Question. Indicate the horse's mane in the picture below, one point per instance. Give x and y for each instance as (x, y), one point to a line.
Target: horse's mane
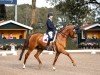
(67, 26)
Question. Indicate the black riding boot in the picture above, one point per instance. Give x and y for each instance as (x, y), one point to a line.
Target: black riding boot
(47, 46)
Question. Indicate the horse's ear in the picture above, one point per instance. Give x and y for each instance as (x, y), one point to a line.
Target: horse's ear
(76, 27)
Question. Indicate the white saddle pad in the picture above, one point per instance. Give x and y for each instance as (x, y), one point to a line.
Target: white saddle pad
(45, 37)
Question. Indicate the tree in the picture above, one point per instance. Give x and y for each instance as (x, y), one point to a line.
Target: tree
(33, 18)
(10, 12)
(97, 11)
(24, 14)
(74, 10)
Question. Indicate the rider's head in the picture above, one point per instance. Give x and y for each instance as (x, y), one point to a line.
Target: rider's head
(50, 15)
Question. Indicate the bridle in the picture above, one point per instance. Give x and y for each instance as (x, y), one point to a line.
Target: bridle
(60, 32)
(63, 34)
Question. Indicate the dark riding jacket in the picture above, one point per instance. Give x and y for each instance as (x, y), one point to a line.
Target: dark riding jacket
(50, 26)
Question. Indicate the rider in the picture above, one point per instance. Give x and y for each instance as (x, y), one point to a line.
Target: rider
(50, 28)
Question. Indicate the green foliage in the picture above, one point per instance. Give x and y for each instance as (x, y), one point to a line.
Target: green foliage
(42, 14)
(98, 16)
(10, 13)
(73, 10)
(71, 44)
(24, 14)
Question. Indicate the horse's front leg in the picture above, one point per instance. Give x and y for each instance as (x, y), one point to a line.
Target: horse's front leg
(66, 53)
(56, 57)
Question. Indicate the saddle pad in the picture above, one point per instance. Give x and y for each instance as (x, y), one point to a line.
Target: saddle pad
(45, 38)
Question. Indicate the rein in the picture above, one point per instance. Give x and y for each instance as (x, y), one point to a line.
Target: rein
(60, 32)
(63, 34)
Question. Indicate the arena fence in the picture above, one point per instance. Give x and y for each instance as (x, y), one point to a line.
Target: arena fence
(11, 52)
(92, 51)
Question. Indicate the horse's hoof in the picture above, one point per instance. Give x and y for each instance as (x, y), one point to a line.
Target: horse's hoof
(74, 64)
(24, 66)
(54, 68)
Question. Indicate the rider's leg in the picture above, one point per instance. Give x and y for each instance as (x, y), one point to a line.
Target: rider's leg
(50, 38)
(48, 43)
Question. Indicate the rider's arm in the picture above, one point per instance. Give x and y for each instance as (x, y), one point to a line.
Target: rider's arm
(50, 25)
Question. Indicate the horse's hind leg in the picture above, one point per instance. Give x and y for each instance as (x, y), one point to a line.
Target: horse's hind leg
(56, 57)
(26, 56)
(39, 51)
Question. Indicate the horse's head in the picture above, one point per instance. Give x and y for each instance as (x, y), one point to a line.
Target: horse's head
(69, 31)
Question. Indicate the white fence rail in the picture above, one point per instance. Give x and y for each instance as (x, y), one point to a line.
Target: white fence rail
(11, 52)
(92, 51)
(5, 53)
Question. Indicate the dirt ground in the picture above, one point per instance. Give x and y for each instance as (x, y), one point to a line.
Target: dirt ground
(87, 64)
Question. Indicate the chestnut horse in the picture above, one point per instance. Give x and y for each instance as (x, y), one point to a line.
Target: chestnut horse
(35, 42)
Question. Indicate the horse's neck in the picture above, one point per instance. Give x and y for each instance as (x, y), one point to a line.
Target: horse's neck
(61, 39)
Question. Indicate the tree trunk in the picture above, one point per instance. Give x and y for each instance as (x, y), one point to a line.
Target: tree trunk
(34, 19)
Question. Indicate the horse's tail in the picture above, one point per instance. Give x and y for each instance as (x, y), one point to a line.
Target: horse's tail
(26, 43)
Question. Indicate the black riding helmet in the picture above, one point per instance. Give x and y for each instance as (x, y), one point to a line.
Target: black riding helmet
(50, 14)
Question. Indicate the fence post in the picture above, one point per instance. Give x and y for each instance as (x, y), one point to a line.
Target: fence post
(4, 54)
(13, 49)
(93, 52)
